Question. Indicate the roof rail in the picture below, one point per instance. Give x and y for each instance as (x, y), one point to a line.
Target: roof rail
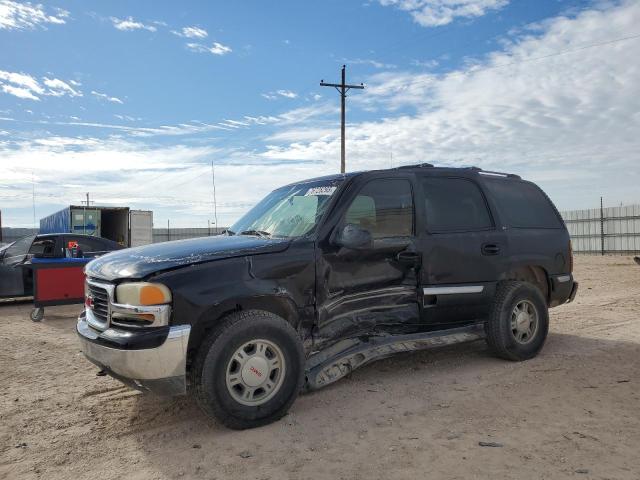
(418, 165)
(494, 174)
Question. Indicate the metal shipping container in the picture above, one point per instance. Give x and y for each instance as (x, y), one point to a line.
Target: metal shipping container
(120, 224)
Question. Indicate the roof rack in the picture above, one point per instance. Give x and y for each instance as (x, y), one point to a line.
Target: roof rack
(418, 165)
(494, 174)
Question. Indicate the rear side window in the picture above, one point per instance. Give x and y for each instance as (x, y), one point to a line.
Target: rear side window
(87, 245)
(454, 204)
(523, 204)
(383, 207)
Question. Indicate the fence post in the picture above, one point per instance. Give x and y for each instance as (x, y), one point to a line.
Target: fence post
(601, 228)
(168, 232)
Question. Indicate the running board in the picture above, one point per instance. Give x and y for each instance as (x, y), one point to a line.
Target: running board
(375, 348)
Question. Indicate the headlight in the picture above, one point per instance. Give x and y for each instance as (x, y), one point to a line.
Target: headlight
(142, 293)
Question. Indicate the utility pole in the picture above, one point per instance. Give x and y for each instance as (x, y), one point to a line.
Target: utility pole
(342, 89)
(215, 206)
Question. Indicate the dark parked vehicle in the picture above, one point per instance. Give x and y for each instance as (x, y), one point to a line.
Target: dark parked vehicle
(16, 281)
(325, 275)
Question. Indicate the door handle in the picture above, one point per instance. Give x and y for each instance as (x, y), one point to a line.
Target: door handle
(408, 258)
(490, 249)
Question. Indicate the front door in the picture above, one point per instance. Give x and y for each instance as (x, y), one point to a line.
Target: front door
(463, 250)
(373, 289)
(12, 275)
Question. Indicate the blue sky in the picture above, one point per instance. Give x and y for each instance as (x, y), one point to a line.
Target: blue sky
(132, 101)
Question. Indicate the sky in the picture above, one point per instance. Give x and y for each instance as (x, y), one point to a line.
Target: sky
(133, 101)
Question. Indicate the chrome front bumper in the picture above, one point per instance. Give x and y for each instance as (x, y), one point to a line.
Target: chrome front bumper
(160, 370)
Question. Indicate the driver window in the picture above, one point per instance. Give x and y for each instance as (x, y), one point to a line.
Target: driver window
(383, 207)
(44, 247)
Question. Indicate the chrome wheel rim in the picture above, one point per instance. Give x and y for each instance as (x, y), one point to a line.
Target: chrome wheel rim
(255, 372)
(524, 321)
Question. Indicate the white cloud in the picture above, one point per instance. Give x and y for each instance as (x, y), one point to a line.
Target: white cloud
(287, 93)
(559, 104)
(19, 92)
(104, 96)
(215, 49)
(368, 61)
(26, 86)
(428, 64)
(58, 88)
(19, 16)
(129, 24)
(22, 80)
(279, 93)
(191, 32)
(433, 13)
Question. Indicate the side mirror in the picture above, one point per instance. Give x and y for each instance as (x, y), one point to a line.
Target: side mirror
(354, 237)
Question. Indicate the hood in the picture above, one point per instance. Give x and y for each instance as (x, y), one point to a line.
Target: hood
(142, 261)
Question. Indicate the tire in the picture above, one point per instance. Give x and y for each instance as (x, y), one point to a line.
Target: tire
(37, 314)
(510, 313)
(218, 377)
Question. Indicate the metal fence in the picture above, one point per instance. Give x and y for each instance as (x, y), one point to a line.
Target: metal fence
(159, 234)
(611, 230)
(168, 234)
(12, 234)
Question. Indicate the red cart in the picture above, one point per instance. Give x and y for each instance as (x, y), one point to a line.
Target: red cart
(56, 281)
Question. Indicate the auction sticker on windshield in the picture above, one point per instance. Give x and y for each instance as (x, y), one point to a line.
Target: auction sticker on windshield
(319, 191)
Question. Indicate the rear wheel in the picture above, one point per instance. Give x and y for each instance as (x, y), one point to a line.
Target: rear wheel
(249, 370)
(519, 321)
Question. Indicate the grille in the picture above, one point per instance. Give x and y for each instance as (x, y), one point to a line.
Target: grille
(100, 302)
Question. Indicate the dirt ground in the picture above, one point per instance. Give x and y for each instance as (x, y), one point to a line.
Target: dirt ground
(572, 412)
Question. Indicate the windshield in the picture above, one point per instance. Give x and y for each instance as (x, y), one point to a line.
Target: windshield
(290, 211)
(19, 247)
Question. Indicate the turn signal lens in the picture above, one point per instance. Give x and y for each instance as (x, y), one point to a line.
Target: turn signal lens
(142, 293)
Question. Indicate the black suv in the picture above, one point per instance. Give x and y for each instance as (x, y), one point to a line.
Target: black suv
(325, 275)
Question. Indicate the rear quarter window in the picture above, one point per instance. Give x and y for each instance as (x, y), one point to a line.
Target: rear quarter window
(522, 204)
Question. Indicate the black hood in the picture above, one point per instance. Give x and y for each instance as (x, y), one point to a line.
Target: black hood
(142, 261)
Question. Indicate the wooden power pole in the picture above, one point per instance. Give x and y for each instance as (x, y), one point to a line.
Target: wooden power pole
(342, 89)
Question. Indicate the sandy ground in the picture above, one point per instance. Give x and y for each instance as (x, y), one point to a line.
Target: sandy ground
(573, 412)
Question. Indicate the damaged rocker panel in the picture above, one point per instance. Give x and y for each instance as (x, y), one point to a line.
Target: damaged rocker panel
(369, 349)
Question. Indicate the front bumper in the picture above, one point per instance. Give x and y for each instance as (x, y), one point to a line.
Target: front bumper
(140, 360)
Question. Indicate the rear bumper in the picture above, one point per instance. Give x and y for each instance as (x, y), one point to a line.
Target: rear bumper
(160, 369)
(574, 291)
(563, 289)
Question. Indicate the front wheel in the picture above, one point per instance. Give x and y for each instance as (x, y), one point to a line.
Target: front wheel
(518, 323)
(249, 370)
(37, 314)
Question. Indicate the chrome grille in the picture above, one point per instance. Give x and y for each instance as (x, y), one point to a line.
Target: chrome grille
(100, 302)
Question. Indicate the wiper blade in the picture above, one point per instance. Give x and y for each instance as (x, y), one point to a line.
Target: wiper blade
(259, 233)
(229, 232)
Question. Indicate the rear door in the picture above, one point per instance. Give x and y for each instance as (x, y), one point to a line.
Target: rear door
(463, 250)
(360, 292)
